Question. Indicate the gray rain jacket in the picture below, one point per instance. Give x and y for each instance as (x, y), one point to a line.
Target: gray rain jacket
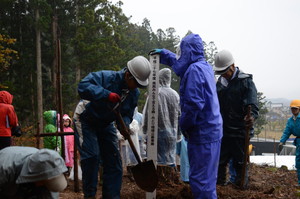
(18, 174)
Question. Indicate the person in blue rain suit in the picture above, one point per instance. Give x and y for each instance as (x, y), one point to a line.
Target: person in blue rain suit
(94, 118)
(236, 91)
(200, 119)
(293, 128)
(168, 114)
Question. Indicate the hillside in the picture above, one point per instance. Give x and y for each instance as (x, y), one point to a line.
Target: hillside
(264, 183)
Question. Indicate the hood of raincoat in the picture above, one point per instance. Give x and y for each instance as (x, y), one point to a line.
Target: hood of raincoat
(50, 117)
(165, 77)
(42, 165)
(192, 51)
(6, 97)
(67, 117)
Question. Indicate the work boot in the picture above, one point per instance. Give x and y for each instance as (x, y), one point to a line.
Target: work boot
(221, 180)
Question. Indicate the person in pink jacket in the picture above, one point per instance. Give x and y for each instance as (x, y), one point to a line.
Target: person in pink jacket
(8, 119)
(69, 142)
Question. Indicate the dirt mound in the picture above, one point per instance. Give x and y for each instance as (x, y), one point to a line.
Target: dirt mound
(264, 183)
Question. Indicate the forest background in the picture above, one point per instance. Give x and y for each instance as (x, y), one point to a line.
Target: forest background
(91, 35)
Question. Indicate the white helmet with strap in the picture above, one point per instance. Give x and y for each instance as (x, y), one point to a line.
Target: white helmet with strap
(140, 68)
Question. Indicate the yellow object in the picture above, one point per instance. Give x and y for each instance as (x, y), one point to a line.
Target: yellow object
(295, 103)
(250, 149)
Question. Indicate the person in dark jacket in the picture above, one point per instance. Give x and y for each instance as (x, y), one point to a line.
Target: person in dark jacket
(236, 90)
(8, 119)
(95, 133)
(200, 119)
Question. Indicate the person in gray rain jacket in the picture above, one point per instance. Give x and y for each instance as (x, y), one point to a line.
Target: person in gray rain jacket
(200, 119)
(95, 133)
(30, 173)
(168, 115)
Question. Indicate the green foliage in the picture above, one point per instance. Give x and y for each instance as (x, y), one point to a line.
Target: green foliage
(210, 51)
(261, 121)
(94, 35)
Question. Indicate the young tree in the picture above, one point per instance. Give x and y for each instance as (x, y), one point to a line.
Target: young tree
(261, 121)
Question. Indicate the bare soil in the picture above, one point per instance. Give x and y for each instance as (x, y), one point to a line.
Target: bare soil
(264, 183)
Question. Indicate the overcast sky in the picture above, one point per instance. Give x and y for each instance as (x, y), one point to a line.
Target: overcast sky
(263, 35)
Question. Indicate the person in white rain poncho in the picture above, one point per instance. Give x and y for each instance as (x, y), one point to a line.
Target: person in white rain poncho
(168, 114)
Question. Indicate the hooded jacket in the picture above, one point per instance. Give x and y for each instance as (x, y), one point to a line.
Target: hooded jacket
(96, 87)
(20, 167)
(168, 105)
(234, 99)
(8, 117)
(168, 115)
(200, 113)
(69, 143)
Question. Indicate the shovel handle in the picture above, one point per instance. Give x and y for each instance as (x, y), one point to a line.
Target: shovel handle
(127, 136)
(246, 149)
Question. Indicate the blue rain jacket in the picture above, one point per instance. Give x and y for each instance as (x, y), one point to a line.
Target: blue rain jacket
(293, 128)
(95, 132)
(200, 112)
(96, 87)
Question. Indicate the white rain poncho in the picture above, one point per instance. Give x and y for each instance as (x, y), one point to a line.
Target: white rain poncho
(20, 167)
(168, 115)
(126, 152)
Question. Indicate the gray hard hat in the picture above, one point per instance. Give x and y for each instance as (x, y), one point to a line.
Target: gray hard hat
(223, 60)
(45, 164)
(140, 68)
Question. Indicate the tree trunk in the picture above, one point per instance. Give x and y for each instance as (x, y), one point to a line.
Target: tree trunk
(54, 62)
(39, 73)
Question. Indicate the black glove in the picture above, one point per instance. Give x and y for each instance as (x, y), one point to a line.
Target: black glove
(280, 146)
(16, 131)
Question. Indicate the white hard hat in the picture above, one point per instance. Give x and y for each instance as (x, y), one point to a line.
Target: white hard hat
(223, 60)
(140, 68)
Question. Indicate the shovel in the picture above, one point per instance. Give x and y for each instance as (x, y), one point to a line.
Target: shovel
(246, 153)
(144, 173)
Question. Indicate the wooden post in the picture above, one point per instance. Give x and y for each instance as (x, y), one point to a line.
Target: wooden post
(76, 182)
(59, 97)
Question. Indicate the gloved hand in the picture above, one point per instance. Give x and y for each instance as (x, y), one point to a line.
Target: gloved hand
(280, 146)
(125, 133)
(114, 97)
(155, 51)
(249, 121)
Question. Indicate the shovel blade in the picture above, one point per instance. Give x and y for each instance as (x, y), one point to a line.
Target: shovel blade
(145, 175)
